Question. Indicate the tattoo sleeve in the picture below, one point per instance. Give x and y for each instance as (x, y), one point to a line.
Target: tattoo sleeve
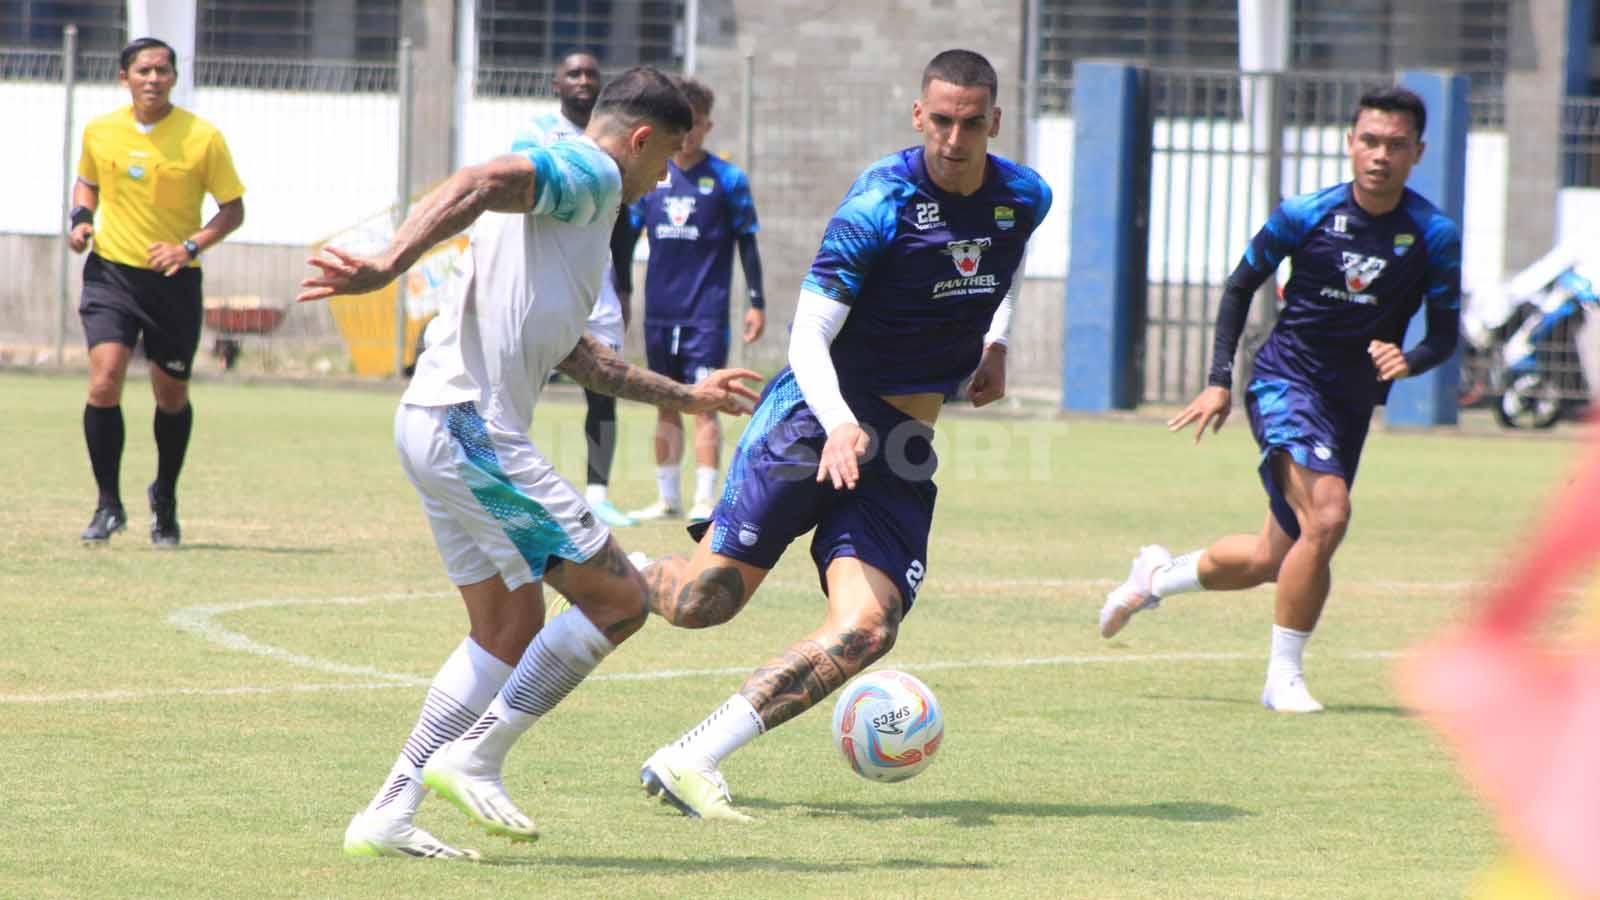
(594, 366)
(711, 598)
(505, 184)
(809, 671)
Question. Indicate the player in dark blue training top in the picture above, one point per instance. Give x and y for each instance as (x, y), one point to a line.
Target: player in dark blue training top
(1366, 256)
(693, 224)
(905, 300)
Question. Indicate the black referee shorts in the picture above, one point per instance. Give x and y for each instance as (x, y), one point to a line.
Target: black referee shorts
(119, 302)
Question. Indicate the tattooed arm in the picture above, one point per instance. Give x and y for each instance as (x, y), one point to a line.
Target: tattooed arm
(504, 184)
(594, 366)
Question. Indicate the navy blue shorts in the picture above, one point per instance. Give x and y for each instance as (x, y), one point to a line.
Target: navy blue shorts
(1312, 429)
(771, 495)
(685, 353)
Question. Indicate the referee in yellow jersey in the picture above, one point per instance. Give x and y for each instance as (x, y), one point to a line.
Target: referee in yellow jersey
(144, 172)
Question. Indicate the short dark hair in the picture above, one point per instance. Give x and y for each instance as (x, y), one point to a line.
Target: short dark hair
(699, 96)
(645, 94)
(1393, 99)
(962, 68)
(135, 47)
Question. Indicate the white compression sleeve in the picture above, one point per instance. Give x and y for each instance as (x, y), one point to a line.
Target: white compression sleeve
(1000, 325)
(817, 321)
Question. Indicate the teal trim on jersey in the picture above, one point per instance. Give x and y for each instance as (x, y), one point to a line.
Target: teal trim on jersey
(574, 181)
(531, 528)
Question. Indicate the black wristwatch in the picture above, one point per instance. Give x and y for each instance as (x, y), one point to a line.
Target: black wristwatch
(191, 248)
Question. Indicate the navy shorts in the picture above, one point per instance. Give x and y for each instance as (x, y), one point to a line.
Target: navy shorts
(771, 495)
(120, 302)
(685, 353)
(1311, 428)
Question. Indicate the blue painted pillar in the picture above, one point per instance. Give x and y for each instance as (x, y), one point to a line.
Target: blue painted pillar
(1441, 176)
(1106, 279)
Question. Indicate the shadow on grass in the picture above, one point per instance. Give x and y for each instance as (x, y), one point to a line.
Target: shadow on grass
(1356, 709)
(673, 865)
(975, 813)
(244, 548)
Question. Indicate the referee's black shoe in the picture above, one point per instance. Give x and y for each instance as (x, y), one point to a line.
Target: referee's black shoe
(108, 520)
(163, 518)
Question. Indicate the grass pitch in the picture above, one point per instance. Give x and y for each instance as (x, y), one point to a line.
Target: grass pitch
(203, 722)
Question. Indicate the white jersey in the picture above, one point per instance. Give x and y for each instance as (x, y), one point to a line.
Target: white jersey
(542, 131)
(527, 285)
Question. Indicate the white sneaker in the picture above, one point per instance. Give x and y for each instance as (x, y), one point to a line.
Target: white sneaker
(1133, 595)
(479, 793)
(1288, 694)
(639, 560)
(657, 510)
(696, 792)
(701, 511)
(370, 835)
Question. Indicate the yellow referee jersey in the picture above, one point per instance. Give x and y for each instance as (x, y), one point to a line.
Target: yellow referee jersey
(152, 183)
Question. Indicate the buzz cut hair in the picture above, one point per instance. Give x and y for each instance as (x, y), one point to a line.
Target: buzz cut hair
(1394, 99)
(962, 68)
(701, 97)
(645, 94)
(139, 45)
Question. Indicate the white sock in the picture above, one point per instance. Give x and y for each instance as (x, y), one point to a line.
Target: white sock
(667, 484)
(705, 483)
(731, 726)
(1288, 645)
(1180, 576)
(596, 494)
(562, 654)
(460, 692)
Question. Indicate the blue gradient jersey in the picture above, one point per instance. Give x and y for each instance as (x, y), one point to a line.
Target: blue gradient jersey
(922, 271)
(1356, 278)
(693, 224)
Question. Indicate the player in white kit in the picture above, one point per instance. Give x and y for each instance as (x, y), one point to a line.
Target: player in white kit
(577, 84)
(504, 521)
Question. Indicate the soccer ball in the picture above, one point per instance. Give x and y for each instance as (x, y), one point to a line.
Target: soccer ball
(888, 725)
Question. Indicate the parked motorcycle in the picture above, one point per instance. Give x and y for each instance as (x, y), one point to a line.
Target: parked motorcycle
(1520, 351)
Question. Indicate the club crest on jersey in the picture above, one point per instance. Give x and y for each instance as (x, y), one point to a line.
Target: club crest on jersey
(1360, 271)
(967, 254)
(1403, 242)
(679, 209)
(706, 184)
(1005, 218)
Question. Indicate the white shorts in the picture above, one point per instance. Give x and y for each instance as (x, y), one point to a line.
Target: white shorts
(495, 505)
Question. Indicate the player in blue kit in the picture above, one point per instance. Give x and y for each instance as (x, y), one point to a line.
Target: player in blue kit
(905, 299)
(693, 224)
(1366, 255)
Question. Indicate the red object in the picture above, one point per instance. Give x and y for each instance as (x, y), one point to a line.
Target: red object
(246, 320)
(1524, 718)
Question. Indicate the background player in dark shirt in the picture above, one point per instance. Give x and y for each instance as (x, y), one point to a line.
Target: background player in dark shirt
(693, 224)
(1366, 255)
(905, 299)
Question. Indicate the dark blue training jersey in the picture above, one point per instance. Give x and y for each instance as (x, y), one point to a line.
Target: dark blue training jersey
(1356, 278)
(693, 224)
(922, 270)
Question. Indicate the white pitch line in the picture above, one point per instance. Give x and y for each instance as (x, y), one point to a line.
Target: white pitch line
(200, 621)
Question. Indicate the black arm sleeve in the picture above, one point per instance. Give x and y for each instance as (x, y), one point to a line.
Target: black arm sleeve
(750, 261)
(1236, 295)
(1444, 327)
(623, 237)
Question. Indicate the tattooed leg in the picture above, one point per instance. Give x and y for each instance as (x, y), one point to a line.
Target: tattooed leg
(607, 589)
(691, 596)
(864, 612)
